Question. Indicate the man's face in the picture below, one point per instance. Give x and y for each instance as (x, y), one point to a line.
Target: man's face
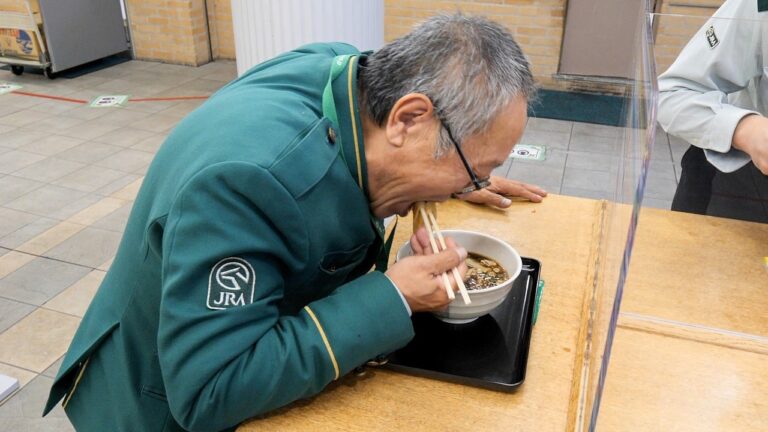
(436, 179)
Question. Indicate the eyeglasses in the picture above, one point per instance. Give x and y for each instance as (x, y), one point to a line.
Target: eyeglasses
(477, 183)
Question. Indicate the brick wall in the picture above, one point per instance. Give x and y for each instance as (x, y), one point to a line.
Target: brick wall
(222, 35)
(172, 31)
(536, 24)
(677, 23)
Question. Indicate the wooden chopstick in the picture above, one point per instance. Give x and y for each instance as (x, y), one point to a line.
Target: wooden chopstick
(456, 274)
(435, 250)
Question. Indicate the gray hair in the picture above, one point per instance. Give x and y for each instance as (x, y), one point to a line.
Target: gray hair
(470, 67)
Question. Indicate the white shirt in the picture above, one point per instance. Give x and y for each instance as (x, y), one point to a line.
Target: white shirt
(718, 79)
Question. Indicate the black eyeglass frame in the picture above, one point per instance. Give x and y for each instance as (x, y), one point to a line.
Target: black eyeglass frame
(477, 183)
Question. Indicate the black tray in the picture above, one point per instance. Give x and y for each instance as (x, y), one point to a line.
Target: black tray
(490, 352)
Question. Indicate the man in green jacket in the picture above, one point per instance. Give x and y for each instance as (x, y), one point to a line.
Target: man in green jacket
(242, 282)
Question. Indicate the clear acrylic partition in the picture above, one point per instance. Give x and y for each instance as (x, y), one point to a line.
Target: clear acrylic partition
(606, 157)
(695, 292)
(629, 169)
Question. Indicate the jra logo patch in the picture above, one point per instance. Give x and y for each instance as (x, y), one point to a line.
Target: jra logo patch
(231, 283)
(712, 39)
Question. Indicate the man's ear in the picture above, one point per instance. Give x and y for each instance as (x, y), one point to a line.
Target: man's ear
(411, 113)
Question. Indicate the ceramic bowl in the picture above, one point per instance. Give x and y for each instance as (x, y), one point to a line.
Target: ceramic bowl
(483, 300)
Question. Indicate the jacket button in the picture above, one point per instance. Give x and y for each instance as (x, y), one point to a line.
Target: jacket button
(331, 135)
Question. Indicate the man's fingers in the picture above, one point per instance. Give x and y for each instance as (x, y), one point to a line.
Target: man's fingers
(447, 259)
(416, 246)
(486, 197)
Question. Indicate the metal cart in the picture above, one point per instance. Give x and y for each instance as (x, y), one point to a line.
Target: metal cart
(24, 21)
(75, 32)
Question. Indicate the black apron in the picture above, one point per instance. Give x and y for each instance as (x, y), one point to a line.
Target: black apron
(742, 194)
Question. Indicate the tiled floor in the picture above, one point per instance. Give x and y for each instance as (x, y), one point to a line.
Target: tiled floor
(69, 173)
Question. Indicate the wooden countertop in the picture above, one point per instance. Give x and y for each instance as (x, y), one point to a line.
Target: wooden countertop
(677, 339)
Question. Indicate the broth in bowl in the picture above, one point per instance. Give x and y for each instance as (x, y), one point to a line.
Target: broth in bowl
(483, 272)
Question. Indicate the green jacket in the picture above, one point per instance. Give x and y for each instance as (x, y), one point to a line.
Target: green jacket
(241, 282)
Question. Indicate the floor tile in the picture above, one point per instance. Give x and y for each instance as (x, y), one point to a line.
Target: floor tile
(11, 312)
(553, 158)
(503, 169)
(15, 160)
(597, 130)
(88, 152)
(201, 87)
(24, 376)
(549, 125)
(23, 117)
(657, 203)
(18, 137)
(53, 369)
(86, 113)
(592, 161)
(23, 412)
(40, 280)
(50, 238)
(660, 187)
(55, 107)
(22, 102)
(157, 123)
(546, 138)
(125, 136)
(90, 130)
(123, 117)
(24, 234)
(126, 160)
(54, 124)
(600, 181)
(104, 207)
(151, 144)
(119, 185)
(546, 177)
(12, 261)
(6, 109)
(48, 170)
(38, 340)
(12, 220)
(116, 220)
(51, 145)
(182, 109)
(151, 106)
(46, 200)
(76, 299)
(586, 193)
(76, 206)
(596, 144)
(90, 247)
(90, 178)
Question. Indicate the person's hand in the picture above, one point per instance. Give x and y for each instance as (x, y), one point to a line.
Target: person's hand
(498, 193)
(419, 277)
(751, 137)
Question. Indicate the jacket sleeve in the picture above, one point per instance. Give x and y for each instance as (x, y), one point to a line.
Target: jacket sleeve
(693, 92)
(234, 226)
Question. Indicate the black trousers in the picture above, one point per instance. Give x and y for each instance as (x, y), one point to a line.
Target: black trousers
(742, 194)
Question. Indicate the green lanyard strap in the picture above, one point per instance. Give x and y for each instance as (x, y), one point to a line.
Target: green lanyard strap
(382, 261)
(338, 65)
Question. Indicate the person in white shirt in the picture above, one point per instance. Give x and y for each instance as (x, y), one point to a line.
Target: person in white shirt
(715, 96)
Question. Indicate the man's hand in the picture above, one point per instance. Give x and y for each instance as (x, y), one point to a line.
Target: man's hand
(751, 137)
(498, 193)
(419, 277)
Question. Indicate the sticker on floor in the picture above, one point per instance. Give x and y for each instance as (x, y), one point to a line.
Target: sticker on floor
(8, 87)
(109, 101)
(529, 152)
